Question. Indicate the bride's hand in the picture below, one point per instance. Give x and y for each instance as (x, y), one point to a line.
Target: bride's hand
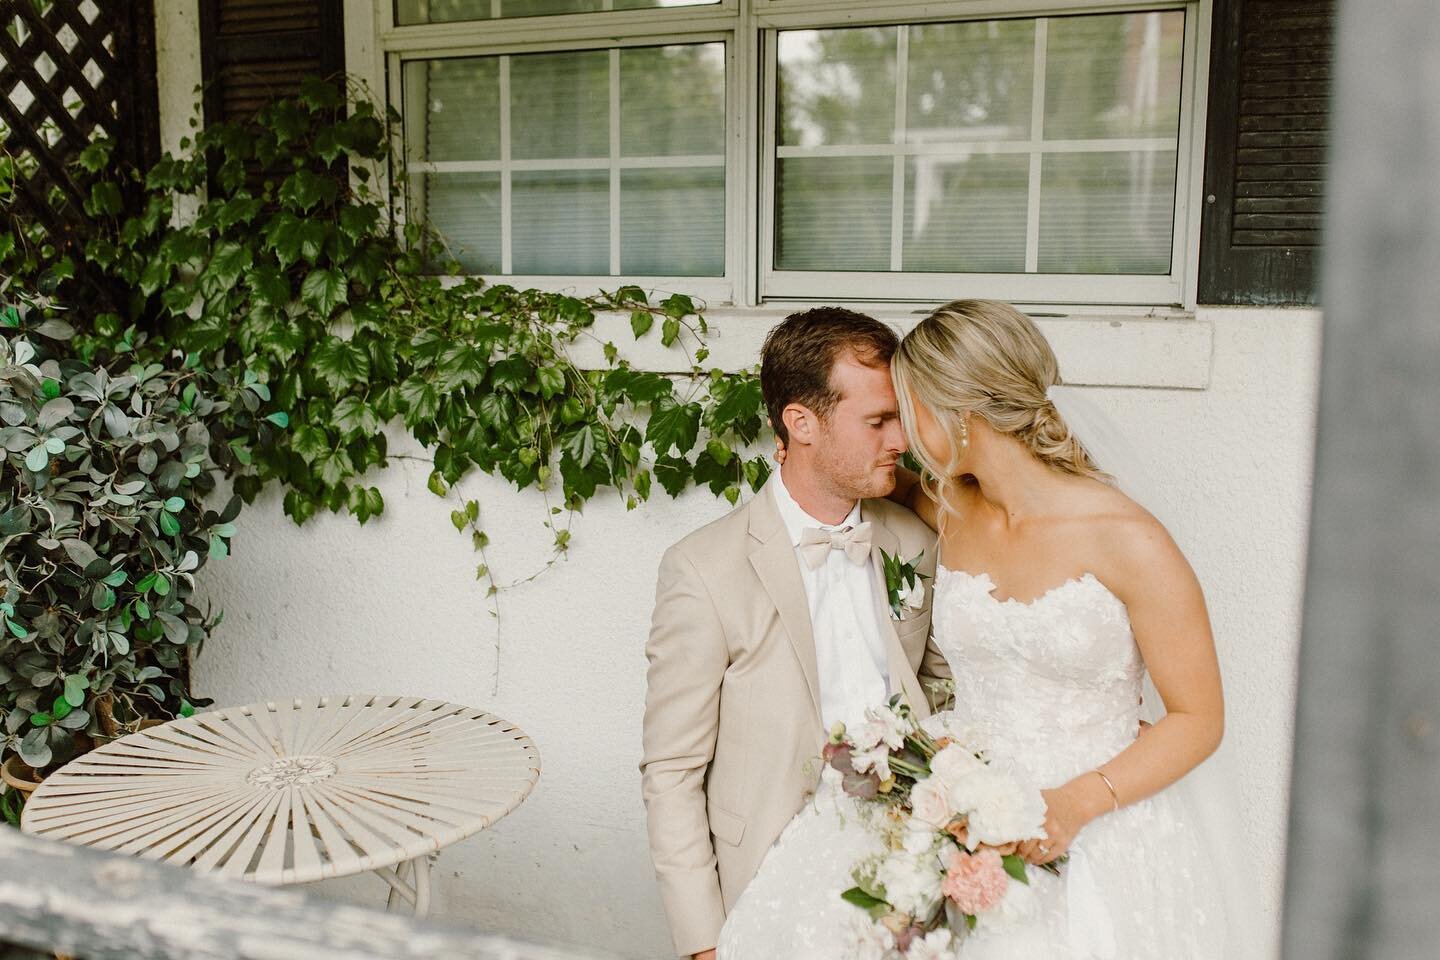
(1065, 816)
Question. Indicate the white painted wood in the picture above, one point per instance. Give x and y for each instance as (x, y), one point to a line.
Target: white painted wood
(81, 902)
(293, 792)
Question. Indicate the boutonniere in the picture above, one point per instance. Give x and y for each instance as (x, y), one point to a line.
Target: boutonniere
(904, 584)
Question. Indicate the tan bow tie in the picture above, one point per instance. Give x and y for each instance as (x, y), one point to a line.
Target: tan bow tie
(816, 544)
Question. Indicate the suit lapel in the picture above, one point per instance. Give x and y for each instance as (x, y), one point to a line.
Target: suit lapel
(902, 674)
(779, 571)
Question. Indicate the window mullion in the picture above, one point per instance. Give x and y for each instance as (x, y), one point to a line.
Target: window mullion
(1037, 135)
(897, 181)
(614, 162)
(506, 219)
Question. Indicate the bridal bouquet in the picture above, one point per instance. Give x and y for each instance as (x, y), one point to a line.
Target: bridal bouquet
(951, 820)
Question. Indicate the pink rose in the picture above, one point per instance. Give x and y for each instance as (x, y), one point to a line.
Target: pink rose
(975, 881)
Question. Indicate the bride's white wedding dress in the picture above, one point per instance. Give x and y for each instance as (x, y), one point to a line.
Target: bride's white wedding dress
(1052, 685)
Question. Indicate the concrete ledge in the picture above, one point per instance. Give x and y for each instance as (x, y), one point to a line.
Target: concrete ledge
(1170, 351)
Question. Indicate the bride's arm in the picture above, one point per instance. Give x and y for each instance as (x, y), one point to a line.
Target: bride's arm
(1172, 629)
(910, 492)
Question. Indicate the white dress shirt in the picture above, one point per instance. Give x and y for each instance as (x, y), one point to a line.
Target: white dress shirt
(850, 654)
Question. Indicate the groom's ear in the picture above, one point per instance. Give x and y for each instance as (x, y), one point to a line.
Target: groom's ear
(801, 423)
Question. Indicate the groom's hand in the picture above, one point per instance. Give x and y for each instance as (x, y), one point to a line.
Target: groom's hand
(704, 955)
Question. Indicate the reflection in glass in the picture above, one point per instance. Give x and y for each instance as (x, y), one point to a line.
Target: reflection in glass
(837, 86)
(461, 109)
(1107, 212)
(561, 222)
(833, 214)
(410, 12)
(1114, 76)
(560, 105)
(672, 100)
(464, 208)
(672, 222)
(966, 214)
(969, 81)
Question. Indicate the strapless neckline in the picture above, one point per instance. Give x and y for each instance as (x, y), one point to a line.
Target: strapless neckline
(984, 579)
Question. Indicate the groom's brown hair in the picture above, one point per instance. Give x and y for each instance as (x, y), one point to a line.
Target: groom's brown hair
(800, 352)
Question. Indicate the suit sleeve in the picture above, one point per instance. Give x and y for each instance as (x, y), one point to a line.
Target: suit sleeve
(934, 668)
(687, 658)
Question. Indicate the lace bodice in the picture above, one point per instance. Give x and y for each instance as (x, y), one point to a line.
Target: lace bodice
(1053, 684)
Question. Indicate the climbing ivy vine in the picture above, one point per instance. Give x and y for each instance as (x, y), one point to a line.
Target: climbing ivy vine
(287, 277)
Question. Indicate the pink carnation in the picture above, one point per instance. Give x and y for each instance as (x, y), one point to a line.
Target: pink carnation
(975, 881)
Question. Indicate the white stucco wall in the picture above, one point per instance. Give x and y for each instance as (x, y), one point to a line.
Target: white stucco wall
(393, 607)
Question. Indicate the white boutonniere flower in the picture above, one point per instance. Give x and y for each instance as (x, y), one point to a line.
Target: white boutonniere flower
(904, 584)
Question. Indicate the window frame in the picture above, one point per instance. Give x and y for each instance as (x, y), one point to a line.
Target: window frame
(749, 30)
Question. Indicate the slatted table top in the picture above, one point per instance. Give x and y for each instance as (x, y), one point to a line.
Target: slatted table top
(295, 791)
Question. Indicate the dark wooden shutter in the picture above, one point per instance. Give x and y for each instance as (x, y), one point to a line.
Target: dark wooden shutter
(1265, 151)
(254, 51)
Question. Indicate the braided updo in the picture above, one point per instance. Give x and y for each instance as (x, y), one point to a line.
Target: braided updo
(987, 358)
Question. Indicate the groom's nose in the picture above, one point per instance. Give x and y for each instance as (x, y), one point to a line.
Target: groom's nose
(895, 437)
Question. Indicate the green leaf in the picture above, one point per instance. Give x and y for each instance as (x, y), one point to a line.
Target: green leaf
(17, 631)
(325, 289)
(309, 442)
(552, 381)
(280, 418)
(75, 687)
(168, 524)
(673, 426)
(41, 719)
(353, 415)
(640, 322)
(162, 585)
(862, 899)
(60, 709)
(673, 474)
(37, 459)
(1015, 866)
(175, 504)
(334, 466)
(669, 331)
(340, 363)
(187, 709)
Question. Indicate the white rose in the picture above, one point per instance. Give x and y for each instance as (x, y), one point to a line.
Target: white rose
(998, 809)
(913, 596)
(911, 885)
(953, 763)
(938, 944)
(918, 838)
(930, 802)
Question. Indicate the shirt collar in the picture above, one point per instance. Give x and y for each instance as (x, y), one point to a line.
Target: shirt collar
(797, 521)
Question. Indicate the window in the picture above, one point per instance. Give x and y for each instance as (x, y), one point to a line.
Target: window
(751, 150)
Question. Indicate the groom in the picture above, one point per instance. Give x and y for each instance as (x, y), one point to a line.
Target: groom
(772, 623)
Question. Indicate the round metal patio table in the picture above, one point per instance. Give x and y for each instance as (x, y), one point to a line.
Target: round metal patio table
(296, 791)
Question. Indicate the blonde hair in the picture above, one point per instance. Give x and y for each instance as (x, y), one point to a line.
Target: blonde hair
(986, 358)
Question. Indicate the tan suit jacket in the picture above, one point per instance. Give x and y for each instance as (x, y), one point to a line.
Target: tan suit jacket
(732, 733)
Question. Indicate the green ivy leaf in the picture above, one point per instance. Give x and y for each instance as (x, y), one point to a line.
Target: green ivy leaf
(673, 474)
(640, 322)
(673, 426)
(324, 290)
(340, 363)
(353, 415)
(309, 442)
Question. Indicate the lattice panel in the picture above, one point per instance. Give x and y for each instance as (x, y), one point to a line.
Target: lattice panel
(72, 72)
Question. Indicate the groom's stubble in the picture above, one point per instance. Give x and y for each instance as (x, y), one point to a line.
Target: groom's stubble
(859, 440)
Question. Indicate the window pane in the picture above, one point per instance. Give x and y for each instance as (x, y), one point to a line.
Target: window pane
(465, 209)
(1107, 212)
(560, 105)
(409, 12)
(833, 214)
(459, 104)
(672, 222)
(672, 100)
(970, 81)
(562, 222)
(966, 214)
(837, 86)
(1114, 76)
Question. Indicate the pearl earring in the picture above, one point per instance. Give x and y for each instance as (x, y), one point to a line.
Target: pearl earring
(964, 432)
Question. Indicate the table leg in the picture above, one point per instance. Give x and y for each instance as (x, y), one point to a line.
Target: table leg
(410, 882)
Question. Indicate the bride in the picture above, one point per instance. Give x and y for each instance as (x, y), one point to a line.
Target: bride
(1056, 594)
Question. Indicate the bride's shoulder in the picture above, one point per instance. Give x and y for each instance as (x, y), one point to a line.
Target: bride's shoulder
(1134, 546)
